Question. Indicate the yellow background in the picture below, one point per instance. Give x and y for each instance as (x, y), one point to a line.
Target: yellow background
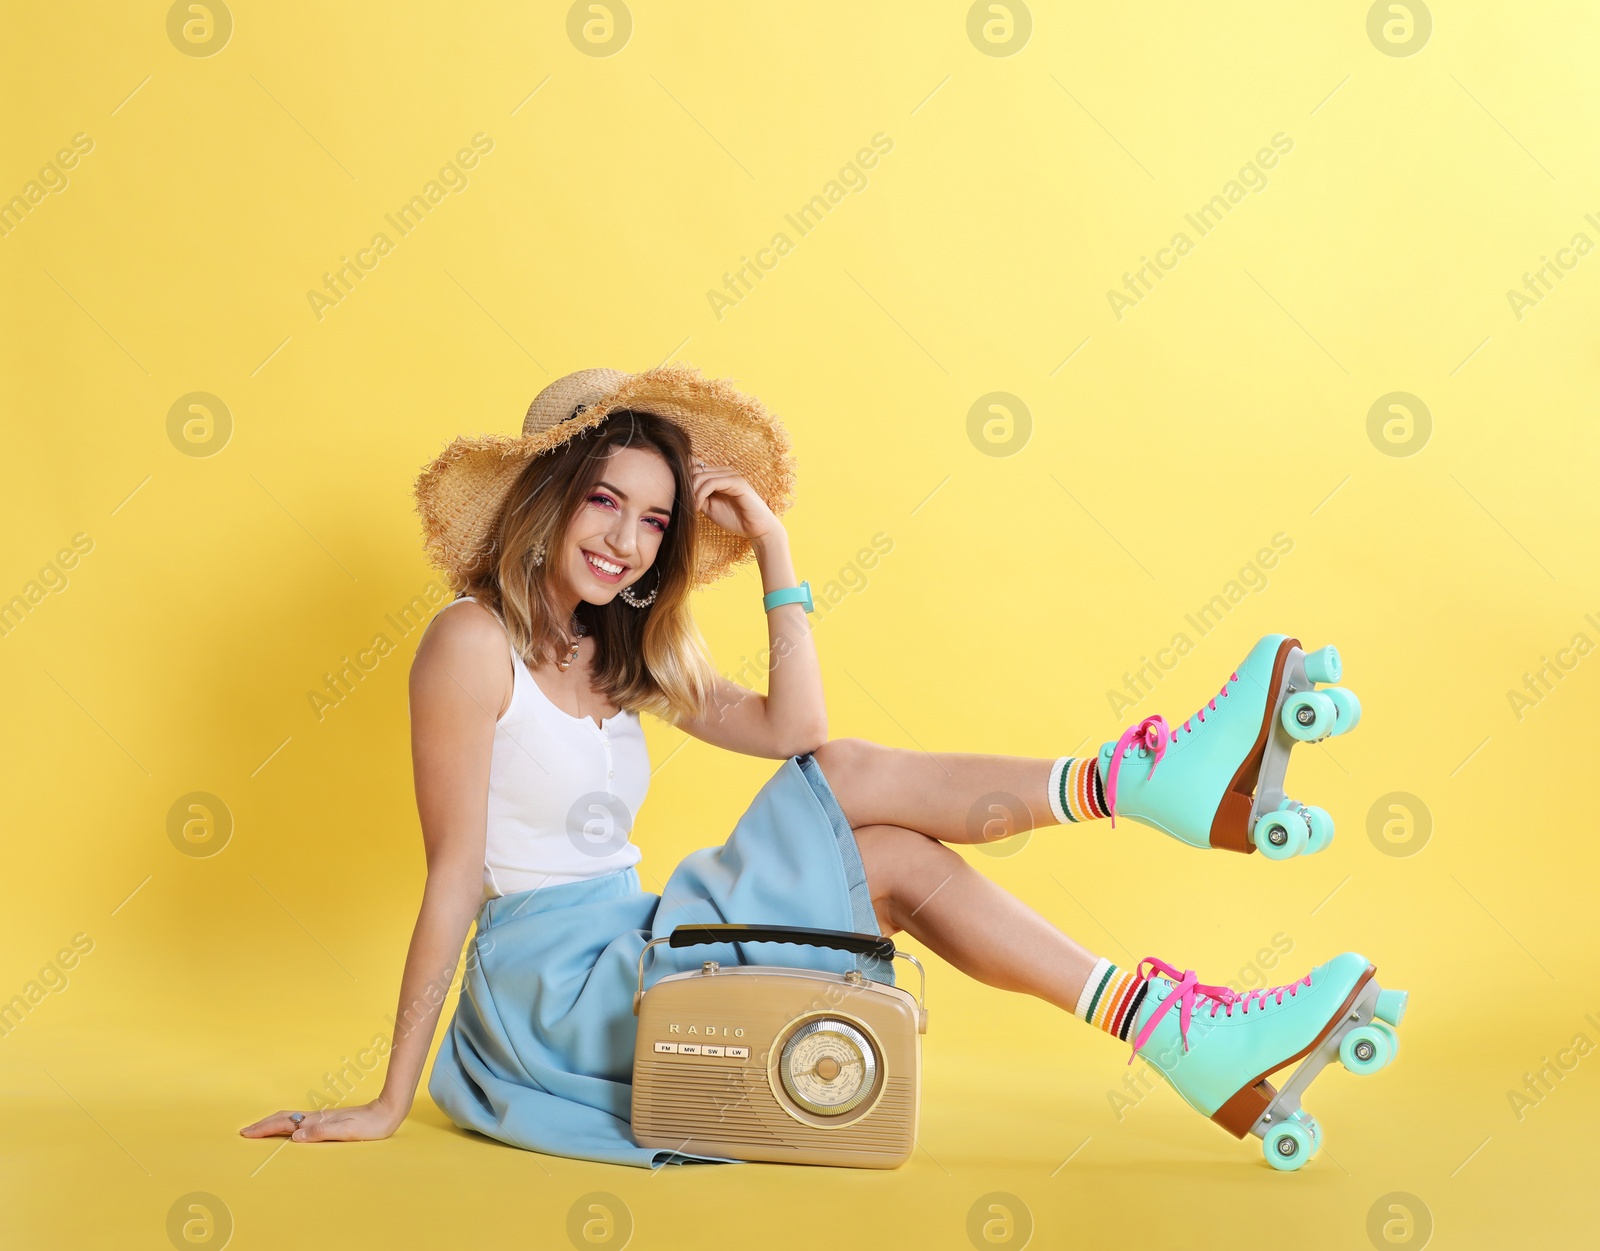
(1231, 404)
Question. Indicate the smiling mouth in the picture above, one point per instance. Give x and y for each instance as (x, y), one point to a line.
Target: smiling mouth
(605, 570)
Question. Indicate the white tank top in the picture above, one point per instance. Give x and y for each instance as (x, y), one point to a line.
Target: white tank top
(563, 791)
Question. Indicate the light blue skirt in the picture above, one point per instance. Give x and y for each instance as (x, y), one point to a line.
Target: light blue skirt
(539, 1053)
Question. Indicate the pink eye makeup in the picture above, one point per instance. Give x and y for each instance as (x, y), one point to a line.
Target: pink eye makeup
(658, 523)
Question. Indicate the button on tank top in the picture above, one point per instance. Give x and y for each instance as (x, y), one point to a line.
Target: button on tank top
(563, 792)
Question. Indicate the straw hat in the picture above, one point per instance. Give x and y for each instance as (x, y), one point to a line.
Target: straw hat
(460, 493)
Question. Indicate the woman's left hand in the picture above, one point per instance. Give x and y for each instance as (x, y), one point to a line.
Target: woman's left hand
(721, 492)
(362, 1122)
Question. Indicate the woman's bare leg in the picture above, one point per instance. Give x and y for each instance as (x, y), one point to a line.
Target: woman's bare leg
(924, 888)
(957, 797)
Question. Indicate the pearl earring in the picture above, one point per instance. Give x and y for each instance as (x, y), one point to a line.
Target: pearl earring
(627, 594)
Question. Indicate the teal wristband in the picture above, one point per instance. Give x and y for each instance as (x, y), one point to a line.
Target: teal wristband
(788, 595)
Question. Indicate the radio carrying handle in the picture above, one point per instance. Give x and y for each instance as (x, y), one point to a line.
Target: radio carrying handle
(839, 940)
(874, 945)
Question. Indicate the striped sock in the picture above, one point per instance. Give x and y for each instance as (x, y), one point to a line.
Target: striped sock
(1110, 999)
(1076, 792)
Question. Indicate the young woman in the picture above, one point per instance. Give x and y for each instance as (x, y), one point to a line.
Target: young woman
(576, 548)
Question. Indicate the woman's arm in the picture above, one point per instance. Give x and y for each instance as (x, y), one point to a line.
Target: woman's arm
(792, 716)
(460, 685)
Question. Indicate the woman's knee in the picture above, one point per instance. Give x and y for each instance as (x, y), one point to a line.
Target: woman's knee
(903, 867)
(877, 845)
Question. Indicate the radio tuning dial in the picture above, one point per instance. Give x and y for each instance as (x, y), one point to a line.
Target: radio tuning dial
(828, 1066)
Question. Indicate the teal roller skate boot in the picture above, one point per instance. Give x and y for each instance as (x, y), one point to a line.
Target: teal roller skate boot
(1217, 780)
(1220, 1046)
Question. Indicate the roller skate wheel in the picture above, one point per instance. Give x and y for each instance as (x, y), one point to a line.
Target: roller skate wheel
(1321, 827)
(1323, 665)
(1288, 1147)
(1308, 716)
(1279, 835)
(1346, 708)
(1366, 1049)
(1391, 1006)
(1310, 1122)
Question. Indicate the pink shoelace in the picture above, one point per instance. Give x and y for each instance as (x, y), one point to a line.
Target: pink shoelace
(1153, 734)
(1189, 989)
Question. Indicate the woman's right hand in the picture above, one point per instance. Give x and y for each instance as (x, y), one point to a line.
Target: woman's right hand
(355, 1124)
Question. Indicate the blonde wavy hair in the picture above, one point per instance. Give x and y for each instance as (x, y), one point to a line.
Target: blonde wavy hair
(646, 659)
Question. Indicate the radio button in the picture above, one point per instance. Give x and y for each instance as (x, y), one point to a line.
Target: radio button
(710, 1050)
(666, 1046)
(688, 1049)
(736, 1053)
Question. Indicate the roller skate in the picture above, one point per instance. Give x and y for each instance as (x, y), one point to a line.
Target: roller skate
(1220, 1046)
(1217, 780)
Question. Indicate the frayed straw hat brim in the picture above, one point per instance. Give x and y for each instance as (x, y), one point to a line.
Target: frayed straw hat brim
(461, 492)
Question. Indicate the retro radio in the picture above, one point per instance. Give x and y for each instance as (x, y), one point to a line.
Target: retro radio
(762, 1062)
